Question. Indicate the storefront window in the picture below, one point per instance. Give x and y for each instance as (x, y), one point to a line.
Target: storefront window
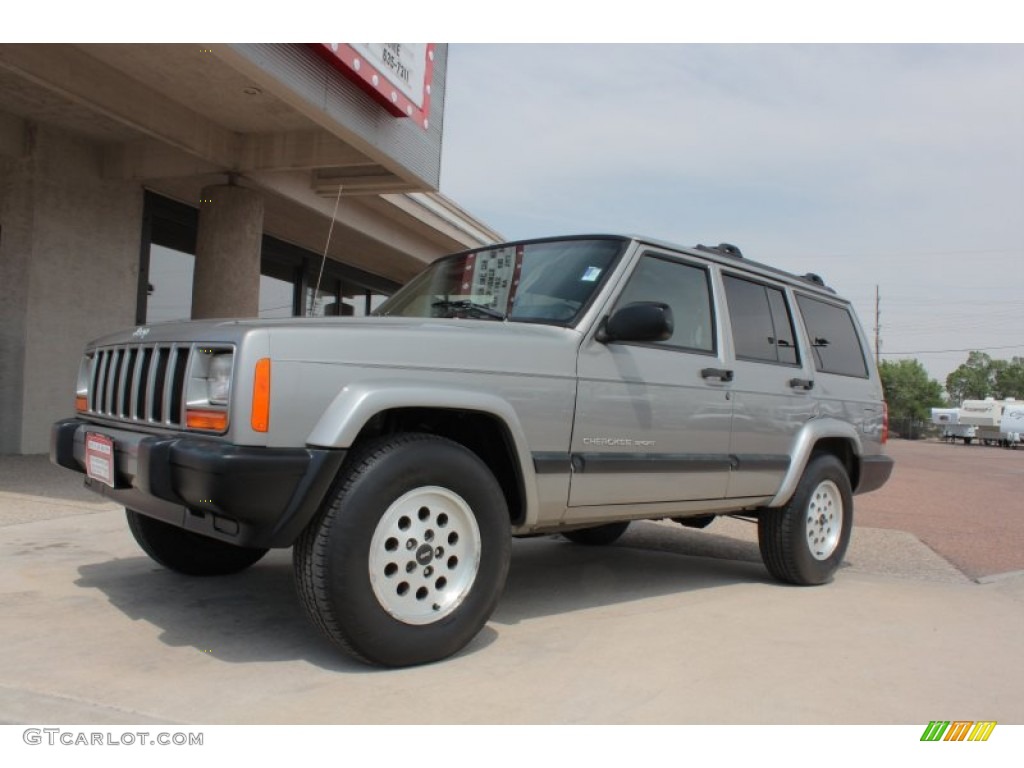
(287, 273)
(325, 303)
(277, 289)
(169, 293)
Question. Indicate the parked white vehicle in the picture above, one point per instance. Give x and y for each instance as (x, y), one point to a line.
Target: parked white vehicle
(1012, 424)
(986, 415)
(949, 420)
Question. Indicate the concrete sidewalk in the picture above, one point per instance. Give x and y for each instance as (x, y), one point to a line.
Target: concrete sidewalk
(670, 625)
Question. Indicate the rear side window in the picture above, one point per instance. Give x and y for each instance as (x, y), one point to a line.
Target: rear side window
(835, 344)
(762, 328)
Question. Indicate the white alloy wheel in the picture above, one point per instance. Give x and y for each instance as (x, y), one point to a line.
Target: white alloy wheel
(424, 555)
(804, 542)
(824, 520)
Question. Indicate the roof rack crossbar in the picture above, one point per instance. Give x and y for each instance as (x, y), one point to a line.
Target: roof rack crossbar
(724, 249)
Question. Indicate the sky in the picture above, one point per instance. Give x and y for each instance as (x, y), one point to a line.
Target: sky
(878, 143)
(899, 167)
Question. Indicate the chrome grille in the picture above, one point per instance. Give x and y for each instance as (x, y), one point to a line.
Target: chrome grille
(140, 382)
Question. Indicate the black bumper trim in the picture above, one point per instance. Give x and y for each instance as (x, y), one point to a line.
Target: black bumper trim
(250, 496)
(874, 473)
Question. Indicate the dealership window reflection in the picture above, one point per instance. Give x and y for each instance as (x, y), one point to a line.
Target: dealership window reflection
(169, 292)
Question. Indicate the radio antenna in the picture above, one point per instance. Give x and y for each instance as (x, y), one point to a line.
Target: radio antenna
(323, 259)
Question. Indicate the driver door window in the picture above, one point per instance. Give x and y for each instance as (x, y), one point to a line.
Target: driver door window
(686, 291)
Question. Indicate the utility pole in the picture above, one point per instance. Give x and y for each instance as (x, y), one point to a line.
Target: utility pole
(878, 329)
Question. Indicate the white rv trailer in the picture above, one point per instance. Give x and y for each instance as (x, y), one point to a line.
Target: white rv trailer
(1012, 424)
(987, 416)
(948, 420)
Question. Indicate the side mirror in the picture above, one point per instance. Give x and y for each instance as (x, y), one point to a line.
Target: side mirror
(641, 321)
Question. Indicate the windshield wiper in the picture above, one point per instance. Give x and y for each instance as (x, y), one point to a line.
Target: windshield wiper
(472, 306)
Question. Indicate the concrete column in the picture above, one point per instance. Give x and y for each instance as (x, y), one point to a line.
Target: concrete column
(69, 258)
(16, 193)
(226, 282)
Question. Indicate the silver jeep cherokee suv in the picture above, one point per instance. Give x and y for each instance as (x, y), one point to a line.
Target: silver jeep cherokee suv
(565, 385)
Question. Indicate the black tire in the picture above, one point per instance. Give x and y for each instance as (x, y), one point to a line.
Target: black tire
(352, 561)
(187, 552)
(598, 536)
(805, 541)
(701, 521)
(967, 441)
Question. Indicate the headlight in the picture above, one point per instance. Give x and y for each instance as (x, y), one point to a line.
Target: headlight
(209, 389)
(219, 379)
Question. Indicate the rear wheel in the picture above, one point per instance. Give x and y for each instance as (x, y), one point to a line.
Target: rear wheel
(700, 521)
(805, 541)
(187, 552)
(408, 557)
(598, 536)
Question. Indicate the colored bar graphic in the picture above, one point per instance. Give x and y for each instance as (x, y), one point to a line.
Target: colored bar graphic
(982, 730)
(935, 730)
(958, 730)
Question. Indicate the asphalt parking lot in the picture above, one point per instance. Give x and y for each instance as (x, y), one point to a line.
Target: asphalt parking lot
(669, 625)
(965, 502)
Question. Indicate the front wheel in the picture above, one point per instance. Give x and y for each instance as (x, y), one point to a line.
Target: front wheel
(805, 541)
(408, 557)
(187, 552)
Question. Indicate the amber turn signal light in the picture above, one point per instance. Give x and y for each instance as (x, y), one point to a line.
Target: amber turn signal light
(216, 421)
(260, 420)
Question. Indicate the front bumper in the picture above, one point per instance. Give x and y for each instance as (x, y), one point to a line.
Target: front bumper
(252, 497)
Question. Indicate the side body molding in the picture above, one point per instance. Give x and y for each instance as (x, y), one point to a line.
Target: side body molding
(357, 403)
(812, 432)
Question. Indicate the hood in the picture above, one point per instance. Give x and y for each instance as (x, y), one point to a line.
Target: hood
(456, 344)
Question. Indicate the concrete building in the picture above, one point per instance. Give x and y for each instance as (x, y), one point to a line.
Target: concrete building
(141, 183)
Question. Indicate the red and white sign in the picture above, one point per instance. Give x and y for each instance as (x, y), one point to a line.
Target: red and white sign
(398, 75)
(99, 458)
(492, 277)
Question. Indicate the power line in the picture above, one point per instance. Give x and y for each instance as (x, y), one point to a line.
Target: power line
(968, 349)
(886, 254)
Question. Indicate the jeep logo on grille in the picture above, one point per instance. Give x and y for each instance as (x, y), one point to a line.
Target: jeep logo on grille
(140, 333)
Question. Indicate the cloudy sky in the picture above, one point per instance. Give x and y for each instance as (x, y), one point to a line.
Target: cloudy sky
(900, 166)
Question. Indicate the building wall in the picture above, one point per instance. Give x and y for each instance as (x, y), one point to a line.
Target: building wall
(69, 256)
(15, 239)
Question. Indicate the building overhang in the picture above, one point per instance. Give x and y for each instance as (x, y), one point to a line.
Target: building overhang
(277, 117)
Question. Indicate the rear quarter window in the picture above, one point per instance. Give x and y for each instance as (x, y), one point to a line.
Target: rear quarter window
(832, 333)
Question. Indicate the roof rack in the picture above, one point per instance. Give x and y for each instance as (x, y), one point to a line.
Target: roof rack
(811, 277)
(723, 249)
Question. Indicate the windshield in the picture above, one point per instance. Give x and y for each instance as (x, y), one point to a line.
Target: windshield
(545, 282)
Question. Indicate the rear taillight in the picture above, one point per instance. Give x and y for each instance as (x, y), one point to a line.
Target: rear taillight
(885, 423)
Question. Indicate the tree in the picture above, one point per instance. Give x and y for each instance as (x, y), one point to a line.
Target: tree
(982, 377)
(909, 392)
(1009, 379)
(973, 380)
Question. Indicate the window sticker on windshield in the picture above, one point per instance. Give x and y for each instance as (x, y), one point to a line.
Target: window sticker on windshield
(590, 274)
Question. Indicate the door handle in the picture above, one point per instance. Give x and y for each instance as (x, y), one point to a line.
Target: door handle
(804, 384)
(716, 373)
